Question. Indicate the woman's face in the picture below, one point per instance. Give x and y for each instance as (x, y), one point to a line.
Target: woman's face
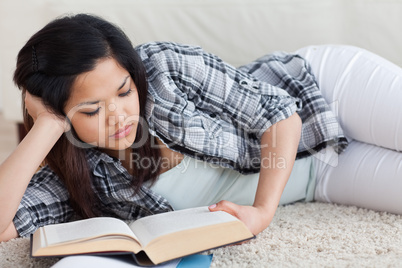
(103, 107)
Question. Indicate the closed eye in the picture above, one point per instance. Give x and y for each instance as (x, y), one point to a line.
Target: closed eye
(92, 113)
(126, 93)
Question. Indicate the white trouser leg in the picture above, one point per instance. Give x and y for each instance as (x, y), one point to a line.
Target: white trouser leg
(366, 90)
(366, 176)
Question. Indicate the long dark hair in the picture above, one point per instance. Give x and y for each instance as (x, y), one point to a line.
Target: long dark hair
(47, 67)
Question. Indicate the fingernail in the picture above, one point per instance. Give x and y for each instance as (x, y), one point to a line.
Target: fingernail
(212, 206)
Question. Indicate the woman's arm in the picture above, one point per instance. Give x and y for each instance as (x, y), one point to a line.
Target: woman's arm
(17, 170)
(280, 141)
(9, 233)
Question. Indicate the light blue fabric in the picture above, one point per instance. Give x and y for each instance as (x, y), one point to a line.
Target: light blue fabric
(194, 183)
(195, 261)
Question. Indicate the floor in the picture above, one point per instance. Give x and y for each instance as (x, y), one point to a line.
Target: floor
(8, 137)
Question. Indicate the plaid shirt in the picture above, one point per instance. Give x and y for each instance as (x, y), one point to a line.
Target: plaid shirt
(46, 200)
(200, 106)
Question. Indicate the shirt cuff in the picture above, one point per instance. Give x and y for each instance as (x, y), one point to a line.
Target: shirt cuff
(24, 223)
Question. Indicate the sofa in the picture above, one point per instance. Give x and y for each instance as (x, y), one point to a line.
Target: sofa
(236, 30)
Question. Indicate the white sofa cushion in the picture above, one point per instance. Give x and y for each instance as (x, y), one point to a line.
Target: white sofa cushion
(236, 30)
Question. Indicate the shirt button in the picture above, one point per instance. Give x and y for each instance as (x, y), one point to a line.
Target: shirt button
(243, 83)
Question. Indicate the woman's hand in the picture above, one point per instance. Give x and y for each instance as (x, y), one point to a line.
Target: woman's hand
(36, 108)
(256, 219)
(281, 140)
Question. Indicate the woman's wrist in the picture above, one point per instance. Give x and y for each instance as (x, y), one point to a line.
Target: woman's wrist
(267, 211)
(52, 123)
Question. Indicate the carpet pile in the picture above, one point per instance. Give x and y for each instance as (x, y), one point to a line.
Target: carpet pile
(301, 235)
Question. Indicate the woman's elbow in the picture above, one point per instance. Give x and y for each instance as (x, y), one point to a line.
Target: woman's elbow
(9, 233)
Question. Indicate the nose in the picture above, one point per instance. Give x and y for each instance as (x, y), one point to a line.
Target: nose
(115, 115)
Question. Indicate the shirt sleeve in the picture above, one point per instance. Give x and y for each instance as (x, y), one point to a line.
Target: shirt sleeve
(249, 103)
(206, 108)
(187, 80)
(45, 202)
(211, 110)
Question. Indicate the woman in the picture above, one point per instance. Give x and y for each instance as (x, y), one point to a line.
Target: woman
(115, 124)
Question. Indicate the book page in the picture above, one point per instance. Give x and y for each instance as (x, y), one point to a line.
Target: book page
(148, 228)
(84, 229)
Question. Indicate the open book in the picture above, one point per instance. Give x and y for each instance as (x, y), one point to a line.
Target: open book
(152, 240)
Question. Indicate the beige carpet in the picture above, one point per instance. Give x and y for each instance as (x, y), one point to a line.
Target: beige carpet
(301, 235)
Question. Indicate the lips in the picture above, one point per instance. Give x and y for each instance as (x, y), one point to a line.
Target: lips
(122, 132)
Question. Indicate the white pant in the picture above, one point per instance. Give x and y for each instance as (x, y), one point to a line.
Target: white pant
(364, 91)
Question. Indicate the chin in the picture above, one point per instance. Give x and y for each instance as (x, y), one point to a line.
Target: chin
(121, 144)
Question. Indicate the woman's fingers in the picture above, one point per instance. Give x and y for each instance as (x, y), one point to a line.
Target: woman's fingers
(226, 206)
(255, 218)
(36, 108)
(34, 105)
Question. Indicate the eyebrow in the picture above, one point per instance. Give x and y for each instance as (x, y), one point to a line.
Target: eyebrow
(124, 82)
(95, 102)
